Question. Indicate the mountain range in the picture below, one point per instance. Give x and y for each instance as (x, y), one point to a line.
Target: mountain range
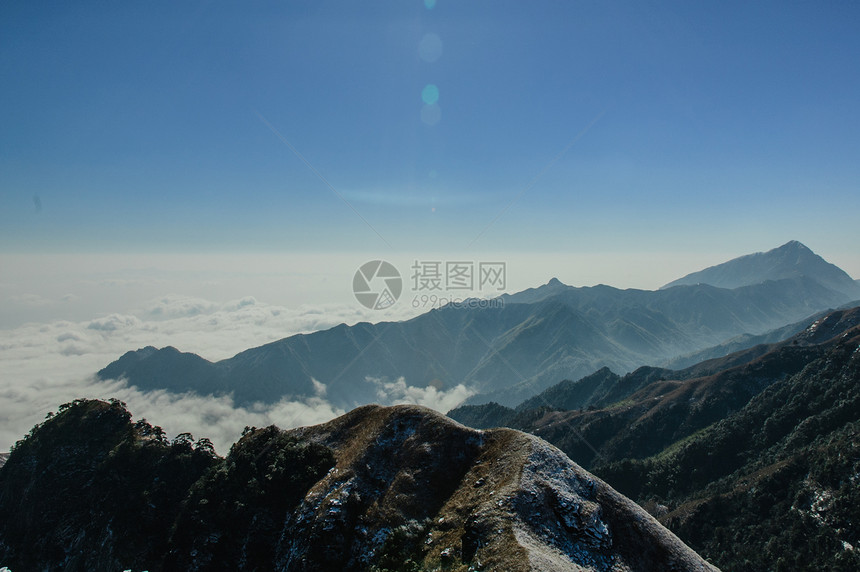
(509, 353)
(752, 458)
(380, 489)
(729, 412)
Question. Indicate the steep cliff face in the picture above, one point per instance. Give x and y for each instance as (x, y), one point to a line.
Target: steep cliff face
(396, 488)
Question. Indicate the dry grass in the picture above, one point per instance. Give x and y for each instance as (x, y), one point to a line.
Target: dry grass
(452, 478)
(478, 510)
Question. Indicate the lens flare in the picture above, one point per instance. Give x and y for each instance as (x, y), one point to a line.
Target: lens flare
(431, 114)
(430, 94)
(430, 48)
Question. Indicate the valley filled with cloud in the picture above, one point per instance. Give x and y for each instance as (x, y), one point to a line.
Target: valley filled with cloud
(47, 364)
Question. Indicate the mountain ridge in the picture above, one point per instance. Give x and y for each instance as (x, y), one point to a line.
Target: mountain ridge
(379, 488)
(792, 259)
(504, 354)
(731, 453)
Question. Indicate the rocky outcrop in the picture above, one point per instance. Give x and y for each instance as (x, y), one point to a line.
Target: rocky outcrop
(497, 499)
(380, 488)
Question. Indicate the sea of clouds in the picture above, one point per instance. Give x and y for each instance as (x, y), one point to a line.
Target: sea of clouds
(43, 365)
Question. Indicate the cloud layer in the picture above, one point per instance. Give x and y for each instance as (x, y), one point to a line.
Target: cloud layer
(44, 365)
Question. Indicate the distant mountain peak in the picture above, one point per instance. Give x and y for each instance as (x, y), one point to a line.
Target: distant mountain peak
(792, 260)
(792, 247)
(555, 282)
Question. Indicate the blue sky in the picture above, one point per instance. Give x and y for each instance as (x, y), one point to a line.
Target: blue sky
(150, 127)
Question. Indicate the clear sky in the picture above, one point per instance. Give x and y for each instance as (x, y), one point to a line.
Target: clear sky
(161, 126)
(211, 174)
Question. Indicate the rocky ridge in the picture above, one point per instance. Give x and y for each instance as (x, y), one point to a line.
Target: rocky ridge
(380, 488)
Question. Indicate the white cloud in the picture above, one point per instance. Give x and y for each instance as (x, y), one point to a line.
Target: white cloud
(113, 323)
(175, 306)
(218, 418)
(243, 303)
(43, 365)
(398, 393)
(319, 388)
